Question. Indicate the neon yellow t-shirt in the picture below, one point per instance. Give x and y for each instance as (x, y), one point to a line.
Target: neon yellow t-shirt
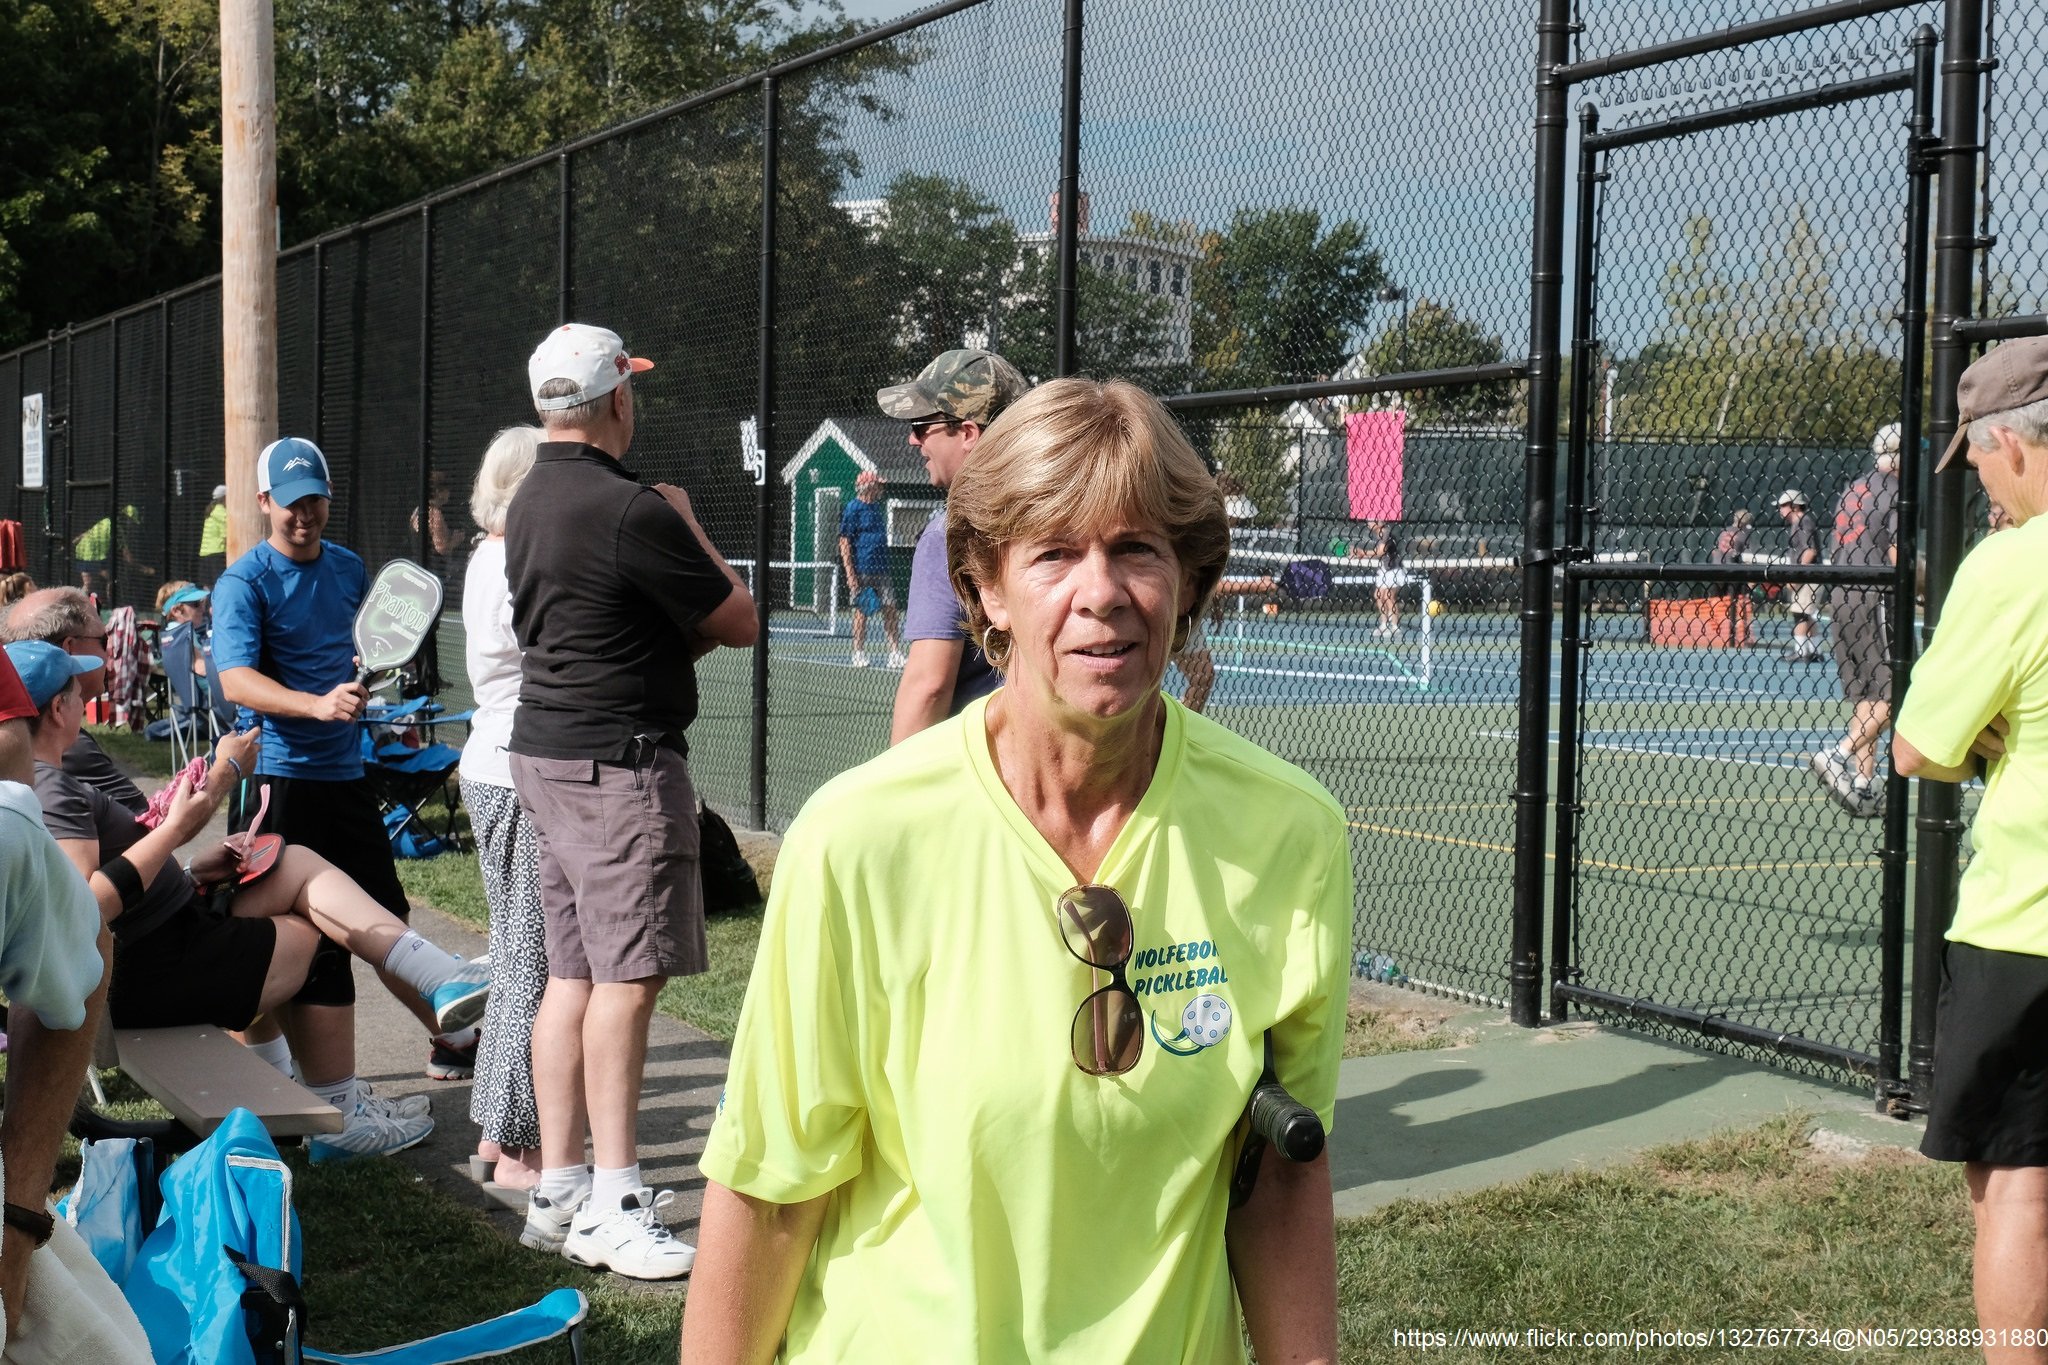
(213, 535)
(904, 1046)
(92, 545)
(1989, 657)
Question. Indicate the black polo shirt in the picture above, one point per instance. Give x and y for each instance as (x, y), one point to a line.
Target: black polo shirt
(607, 585)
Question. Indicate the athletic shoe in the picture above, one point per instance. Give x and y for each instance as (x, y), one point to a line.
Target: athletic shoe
(400, 1106)
(459, 1001)
(447, 1062)
(369, 1130)
(860, 658)
(896, 659)
(630, 1240)
(547, 1223)
(1869, 800)
(1831, 766)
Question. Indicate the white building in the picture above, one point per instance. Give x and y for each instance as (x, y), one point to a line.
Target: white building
(1163, 270)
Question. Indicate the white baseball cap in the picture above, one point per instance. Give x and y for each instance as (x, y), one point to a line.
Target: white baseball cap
(220, 492)
(594, 359)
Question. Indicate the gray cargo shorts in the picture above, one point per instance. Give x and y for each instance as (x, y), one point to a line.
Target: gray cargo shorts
(1862, 643)
(619, 885)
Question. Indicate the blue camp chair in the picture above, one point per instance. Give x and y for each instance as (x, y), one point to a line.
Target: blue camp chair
(191, 710)
(405, 777)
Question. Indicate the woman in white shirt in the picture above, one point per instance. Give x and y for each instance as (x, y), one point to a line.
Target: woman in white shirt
(501, 1102)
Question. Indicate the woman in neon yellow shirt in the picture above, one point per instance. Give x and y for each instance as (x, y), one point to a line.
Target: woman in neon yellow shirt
(1017, 974)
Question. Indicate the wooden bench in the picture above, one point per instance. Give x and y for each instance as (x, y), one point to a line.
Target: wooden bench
(201, 1075)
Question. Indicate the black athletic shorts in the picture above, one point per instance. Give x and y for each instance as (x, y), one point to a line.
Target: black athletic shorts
(200, 966)
(1990, 1059)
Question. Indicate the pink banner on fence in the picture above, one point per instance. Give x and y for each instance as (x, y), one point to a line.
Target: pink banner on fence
(1374, 442)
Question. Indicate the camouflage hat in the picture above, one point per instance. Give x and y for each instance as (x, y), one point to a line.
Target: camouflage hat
(968, 386)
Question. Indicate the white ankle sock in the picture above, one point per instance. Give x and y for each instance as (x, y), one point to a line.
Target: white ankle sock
(341, 1094)
(278, 1052)
(459, 1039)
(609, 1189)
(563, 1185)
(419, 964)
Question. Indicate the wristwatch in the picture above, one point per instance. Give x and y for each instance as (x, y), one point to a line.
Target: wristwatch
(36, 1224)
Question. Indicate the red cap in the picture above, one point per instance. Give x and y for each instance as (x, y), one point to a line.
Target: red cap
(14, 702)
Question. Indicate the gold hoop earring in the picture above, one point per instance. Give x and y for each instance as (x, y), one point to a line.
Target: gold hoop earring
(989, 636)
(1183, 630)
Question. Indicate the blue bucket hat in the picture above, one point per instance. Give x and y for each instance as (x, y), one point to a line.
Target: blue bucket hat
(45, 669)
(290, 469)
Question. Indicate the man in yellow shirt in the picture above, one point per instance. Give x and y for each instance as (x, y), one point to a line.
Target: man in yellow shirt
(213, 537)
(1979, 705)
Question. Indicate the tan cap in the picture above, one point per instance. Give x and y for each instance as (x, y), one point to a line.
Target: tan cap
(2011, 376)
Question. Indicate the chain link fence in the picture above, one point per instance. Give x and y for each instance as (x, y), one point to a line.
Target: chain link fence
(1273, 220)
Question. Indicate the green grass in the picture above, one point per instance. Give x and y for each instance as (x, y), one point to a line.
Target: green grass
(1750, 1230)
(140, 757)
(1370, 1032)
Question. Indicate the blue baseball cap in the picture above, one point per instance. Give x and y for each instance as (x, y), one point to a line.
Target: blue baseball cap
(184, 595)
(45, 669)
(290, 469)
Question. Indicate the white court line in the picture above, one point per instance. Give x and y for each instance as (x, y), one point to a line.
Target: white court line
(1780, 765)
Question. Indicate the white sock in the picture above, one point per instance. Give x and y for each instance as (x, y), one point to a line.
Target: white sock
(1844, 750)
(563, 1185)
(459, 1039)
(341, 1094)
(419, 964)
(278, 1052)
(609, 1189)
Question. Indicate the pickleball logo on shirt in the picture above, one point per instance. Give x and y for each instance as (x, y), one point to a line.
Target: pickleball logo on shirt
(1189, 966)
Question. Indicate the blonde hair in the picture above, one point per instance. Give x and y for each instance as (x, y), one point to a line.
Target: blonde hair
(507, 461)
(14, 587)
(1075, 453)
(163, 594)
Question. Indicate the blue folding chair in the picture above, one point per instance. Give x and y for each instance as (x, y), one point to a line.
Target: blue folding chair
(191, 708)
(404, 777)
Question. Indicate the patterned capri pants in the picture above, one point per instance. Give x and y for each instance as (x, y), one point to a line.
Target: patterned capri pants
(501, 1101)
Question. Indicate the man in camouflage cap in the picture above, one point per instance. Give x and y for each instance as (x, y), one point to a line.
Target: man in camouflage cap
(948, 406)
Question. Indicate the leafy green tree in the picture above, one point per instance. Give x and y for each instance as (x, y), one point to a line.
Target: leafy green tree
(1435, 337)
(1279, 298)
(1119, 331)
(949, 253)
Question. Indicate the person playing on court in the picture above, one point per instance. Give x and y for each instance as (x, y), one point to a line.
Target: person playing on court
(1802, 546)
(864, 552)
(1978, 705)
(1865, 534)
(1388, 580)
(1018, 973)
(1196, 661)
(949, 407)
(284, 650)
(183, 956)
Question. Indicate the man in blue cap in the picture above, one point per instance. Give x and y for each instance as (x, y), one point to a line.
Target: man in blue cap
(284, 648)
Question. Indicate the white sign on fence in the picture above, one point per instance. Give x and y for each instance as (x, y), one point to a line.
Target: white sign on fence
(751, 457)
(32, 441)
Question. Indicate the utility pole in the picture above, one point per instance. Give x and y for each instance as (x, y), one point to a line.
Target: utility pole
(248, 263)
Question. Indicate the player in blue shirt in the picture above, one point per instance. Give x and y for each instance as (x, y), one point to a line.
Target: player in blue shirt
(283, 646)
(864, 550)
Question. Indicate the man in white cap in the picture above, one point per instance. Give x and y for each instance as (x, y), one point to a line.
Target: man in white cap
(1866, 535)
(616, 592)
(213, 536)
(1977, 707)
(1802, 546)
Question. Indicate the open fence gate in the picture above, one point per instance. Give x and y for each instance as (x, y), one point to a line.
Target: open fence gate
(1704, 882)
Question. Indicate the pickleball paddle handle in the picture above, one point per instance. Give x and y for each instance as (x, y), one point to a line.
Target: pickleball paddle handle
(1291, 1126)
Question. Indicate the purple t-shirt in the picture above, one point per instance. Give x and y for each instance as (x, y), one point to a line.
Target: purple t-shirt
(934, 613)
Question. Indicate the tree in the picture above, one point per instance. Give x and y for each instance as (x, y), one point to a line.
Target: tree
(1280, 300)
(1119, 331)
(949, 253)
(1435, 337)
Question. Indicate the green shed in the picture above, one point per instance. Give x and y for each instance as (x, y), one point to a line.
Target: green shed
(820, 479)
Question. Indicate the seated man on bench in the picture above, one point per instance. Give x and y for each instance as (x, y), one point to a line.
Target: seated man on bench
(227, 955)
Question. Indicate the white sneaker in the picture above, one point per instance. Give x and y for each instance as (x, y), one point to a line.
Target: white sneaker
(401, 1106)
(459, 1001)
(370, 1130)
(1833, 769)
(630, 1240)
(896, 659)
(860, 658)
(547, 1223)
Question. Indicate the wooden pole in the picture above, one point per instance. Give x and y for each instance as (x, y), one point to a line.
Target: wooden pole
(248, 275)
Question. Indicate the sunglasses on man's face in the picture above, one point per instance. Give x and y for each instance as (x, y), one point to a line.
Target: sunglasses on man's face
(925, 427)
(1109, 1028)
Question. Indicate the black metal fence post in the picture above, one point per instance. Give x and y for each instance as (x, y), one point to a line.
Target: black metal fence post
(565, 270)
(1546, 305)
(1955, 247)
(1913, 373)
(1066, 247)
(114, 518)
(167, 483)
(764, 434)
(320, 344)
(426, 377)
(1572, 643)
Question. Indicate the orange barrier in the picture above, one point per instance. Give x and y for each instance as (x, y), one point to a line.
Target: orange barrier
(1702, 622)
